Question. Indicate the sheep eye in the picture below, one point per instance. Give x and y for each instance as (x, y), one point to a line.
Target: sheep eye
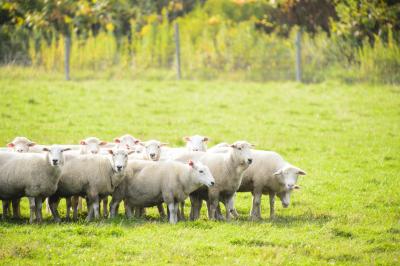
(239, 149)
(201, 171)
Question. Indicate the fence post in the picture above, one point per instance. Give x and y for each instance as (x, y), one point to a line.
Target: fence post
(298, 56)
(177, 51)
(67, 55)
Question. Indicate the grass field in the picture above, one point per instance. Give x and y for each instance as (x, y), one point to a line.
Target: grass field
(346, 136)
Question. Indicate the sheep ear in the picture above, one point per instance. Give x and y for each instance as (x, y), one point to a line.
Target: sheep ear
(186, 138)
(10, 145)
(206, 139)
(136, 141)
(191, 163)
(301, 172)
(66, 149)
(252, 145)
(296, 187)
(117, 140)
(46, 149)
(232, 145)
(163, 144)
(102, 143)
(31, 144)
(278, 173)
(130, 152)
(111, 152)
(142, 144)
(82, 142)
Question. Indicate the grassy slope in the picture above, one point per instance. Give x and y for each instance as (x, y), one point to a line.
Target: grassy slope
(345, 136)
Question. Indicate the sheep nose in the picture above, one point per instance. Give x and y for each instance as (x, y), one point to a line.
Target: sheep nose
(19, 150)
(94, 152)
(212, 183)
(249, 161)
(119, 168)
(55, 161)
(152, 155)
(195, 149)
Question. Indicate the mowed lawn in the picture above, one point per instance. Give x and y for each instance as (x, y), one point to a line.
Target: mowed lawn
(345, 136)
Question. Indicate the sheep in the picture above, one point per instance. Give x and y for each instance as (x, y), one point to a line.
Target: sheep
(269, 174)
(127, 141)
(193, 143)
(227, 169)
(33, 175)
(19, 144)
(150, 183)
(151, 151)
(91, 145)
(219, 148)
(196, 143)
(90, 176)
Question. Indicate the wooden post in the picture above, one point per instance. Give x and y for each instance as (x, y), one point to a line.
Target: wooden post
(67, 55)
(177, 51)
(298, 56)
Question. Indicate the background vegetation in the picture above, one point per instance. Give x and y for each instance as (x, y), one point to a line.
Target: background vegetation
(221, 39)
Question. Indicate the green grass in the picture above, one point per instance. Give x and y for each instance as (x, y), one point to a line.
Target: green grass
(345, 136)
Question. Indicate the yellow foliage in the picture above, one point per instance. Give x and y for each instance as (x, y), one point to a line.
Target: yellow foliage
(110, 27)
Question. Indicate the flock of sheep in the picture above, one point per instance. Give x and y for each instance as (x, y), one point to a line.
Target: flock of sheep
(141, 174)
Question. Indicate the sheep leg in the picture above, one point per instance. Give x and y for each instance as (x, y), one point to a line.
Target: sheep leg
(271, 205)
(38, 209)
(173, 210)
(6, 206)
(256, 208)
(128, 210)
(105, 209)
(232, 208)
(75, 206)
(96, 208)
(93, 202)
(213, 202)
(16, 208)
(32, 210)
(196, 203)
(161, 210)
(113, 207)
(181, 211)
(218, 213)
(53, 201)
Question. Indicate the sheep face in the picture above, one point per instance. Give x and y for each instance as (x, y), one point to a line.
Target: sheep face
(153, 149)
(202, 173)
(127, 141)
(119, 159)
(92, 145)
(196, 143)
(55, 155)
(287, 177)
(21, 144)
(242, 152)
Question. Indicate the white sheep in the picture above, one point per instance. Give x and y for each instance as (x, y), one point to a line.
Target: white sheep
(196, 143)
(19, 144)
(30, 174)
(127, 141)
(268, 174)
(151, 150)
(150, 183)
(90, 176)
(227, 169)
(193, 143)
